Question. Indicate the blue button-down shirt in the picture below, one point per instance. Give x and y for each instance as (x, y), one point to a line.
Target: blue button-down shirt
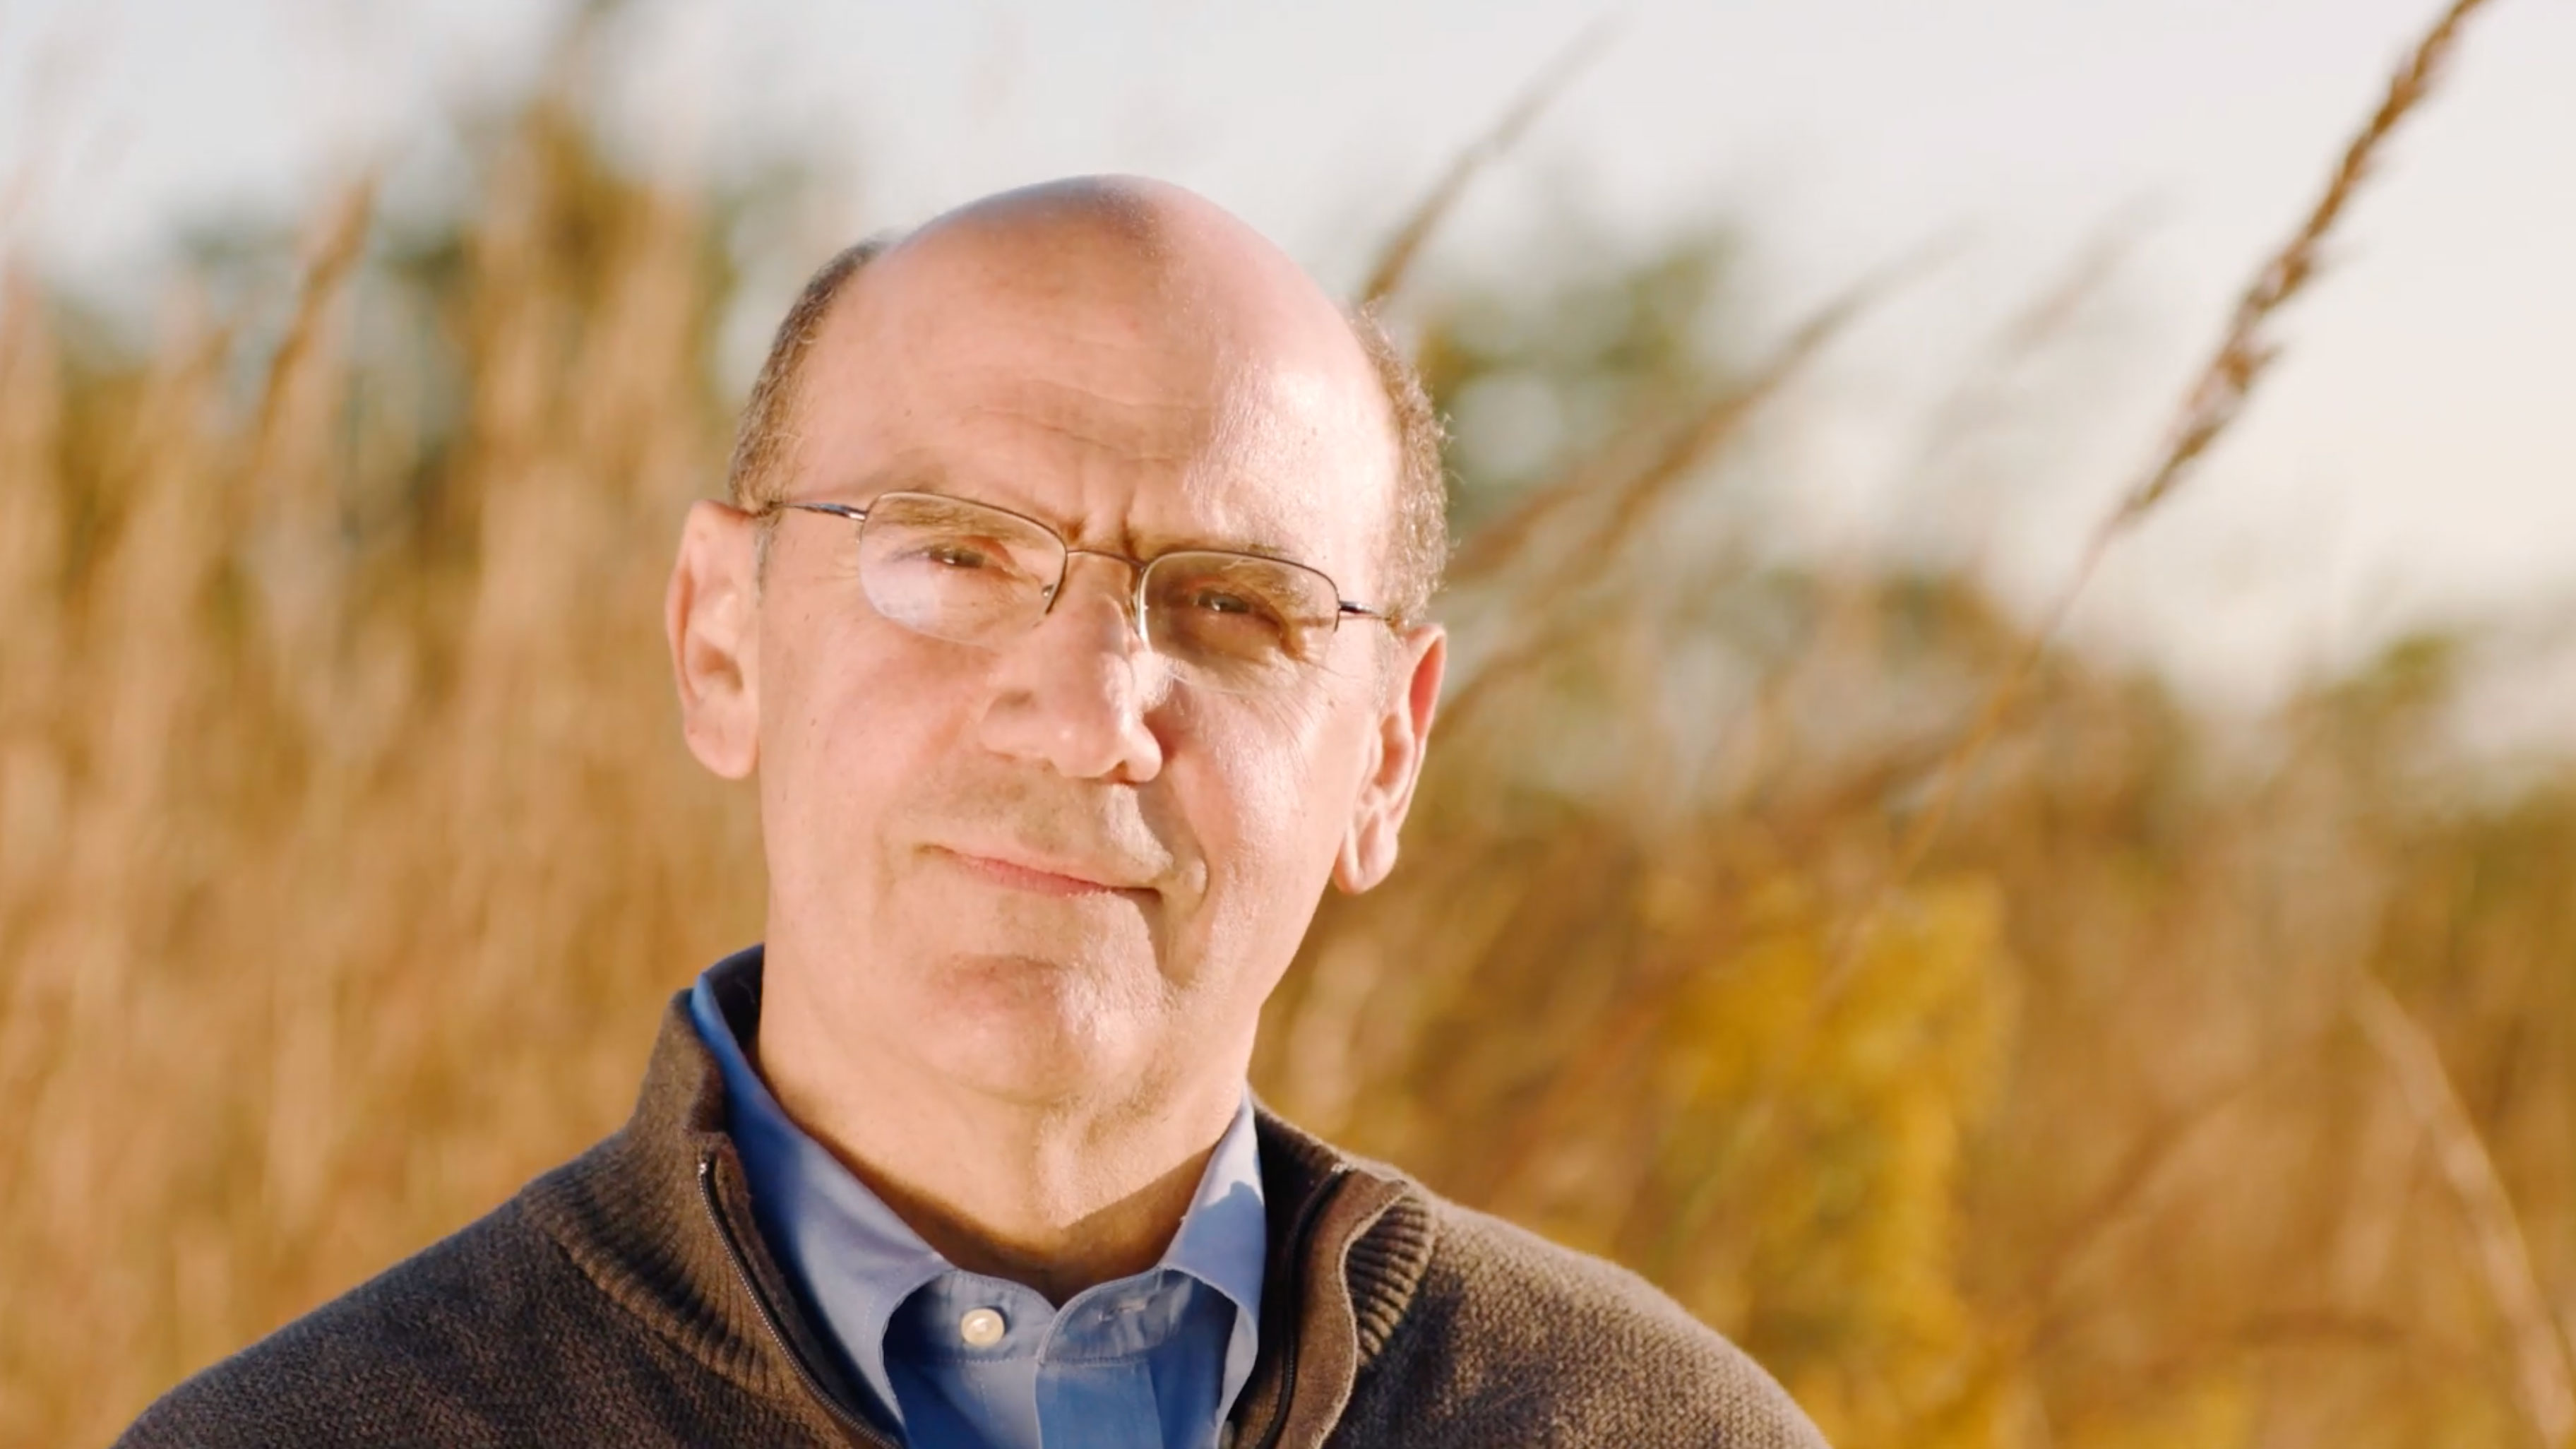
(1153, 1359)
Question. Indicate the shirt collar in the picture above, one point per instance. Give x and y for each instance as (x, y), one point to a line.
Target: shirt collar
(853, 1261)
(1224, 1235)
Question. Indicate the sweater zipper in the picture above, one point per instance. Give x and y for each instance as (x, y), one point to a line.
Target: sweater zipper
(1299, 1246)
(858, 1429)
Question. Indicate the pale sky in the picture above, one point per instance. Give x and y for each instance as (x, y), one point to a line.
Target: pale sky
(2414, 457)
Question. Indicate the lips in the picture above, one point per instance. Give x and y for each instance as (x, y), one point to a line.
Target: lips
(1042, 875)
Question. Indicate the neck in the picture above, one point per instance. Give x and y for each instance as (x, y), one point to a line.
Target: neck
(1057, 1195)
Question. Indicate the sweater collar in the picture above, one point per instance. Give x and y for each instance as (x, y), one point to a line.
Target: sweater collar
(854, 1260)
(659, 1217)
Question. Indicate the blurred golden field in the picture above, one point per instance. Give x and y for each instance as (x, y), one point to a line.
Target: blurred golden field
(2202, 1083)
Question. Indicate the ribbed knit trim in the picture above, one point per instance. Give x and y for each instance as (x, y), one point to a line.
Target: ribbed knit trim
(1385, 1268)
(1384, 1264)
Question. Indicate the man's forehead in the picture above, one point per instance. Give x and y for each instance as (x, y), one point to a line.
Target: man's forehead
(1090, 368)
(1265, 463)
(1081, 385)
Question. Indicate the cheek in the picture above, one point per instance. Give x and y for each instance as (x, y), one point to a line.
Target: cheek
(1279, 781)
(847, 717)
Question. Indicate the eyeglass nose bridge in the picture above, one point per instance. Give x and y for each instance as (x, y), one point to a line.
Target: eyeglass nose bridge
(1135, 597)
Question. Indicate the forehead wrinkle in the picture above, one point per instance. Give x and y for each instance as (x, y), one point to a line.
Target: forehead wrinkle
(1153, 423)
(1125, 447)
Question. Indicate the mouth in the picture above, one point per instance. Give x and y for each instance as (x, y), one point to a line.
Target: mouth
(1045, 878)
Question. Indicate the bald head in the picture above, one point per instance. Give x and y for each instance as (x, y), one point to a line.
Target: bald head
(1138, 241)
(1186, 307)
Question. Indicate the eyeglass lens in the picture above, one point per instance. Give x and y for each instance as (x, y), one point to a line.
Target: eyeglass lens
(977, 575)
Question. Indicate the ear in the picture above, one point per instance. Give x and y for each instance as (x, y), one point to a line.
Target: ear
(1403, 729)
(712, 614)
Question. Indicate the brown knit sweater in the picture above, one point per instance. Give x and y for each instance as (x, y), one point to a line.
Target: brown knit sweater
(625, 1298)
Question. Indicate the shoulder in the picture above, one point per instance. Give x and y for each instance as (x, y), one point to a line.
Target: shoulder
(1512, 1337)
(448, 1346)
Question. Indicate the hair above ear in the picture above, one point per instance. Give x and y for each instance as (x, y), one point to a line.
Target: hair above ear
(767, 432)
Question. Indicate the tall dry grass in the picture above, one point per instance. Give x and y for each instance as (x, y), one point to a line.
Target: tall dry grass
(345, 847)
(2194, 1085)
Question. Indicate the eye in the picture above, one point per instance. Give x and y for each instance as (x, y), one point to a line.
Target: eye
(956, 555)
(959, 553)
(1234, 605)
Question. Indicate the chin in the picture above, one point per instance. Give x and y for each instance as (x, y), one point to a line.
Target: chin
(1032, 1030)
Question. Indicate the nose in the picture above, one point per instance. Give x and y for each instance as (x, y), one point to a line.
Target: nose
(1074, 692)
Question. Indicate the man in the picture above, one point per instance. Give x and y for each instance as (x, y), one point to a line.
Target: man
(1069, 613)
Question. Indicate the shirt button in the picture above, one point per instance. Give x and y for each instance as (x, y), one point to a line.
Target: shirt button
(982, 1327)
